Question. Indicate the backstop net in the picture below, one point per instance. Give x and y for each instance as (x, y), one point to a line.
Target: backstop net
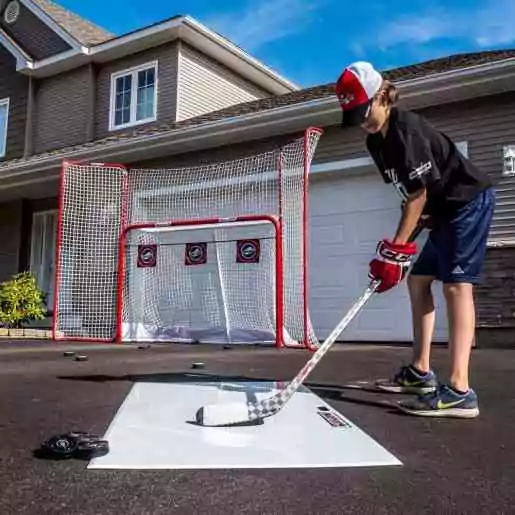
(211, 254)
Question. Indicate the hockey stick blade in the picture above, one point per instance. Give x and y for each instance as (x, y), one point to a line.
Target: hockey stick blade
(232, 414)
(240, 413)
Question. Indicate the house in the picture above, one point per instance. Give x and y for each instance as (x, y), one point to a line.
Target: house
(69, 90)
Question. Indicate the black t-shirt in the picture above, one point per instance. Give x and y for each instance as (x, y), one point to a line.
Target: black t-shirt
(413, 154)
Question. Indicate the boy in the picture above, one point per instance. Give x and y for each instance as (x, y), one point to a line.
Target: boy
(456, 202)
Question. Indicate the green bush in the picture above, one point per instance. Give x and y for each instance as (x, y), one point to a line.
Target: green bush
(21, 301)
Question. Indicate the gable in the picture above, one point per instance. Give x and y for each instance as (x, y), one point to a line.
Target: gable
(32, 34)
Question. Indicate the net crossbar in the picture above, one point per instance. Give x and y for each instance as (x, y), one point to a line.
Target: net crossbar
(210, 253)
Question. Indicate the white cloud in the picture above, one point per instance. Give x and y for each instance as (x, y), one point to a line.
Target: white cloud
(358, 50)
(489, 25)
(265, 21)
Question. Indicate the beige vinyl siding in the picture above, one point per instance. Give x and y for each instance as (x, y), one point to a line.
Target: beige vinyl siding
(62, 110)
(206, 86)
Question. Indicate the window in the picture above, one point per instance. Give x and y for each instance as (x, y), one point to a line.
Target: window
(508, 168)
(133, 96)
(4, 116)
(42, 252)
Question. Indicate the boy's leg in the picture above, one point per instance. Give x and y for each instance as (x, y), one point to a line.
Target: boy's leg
(423, 319)
(418, 377)
(462, 326)
(462, 248)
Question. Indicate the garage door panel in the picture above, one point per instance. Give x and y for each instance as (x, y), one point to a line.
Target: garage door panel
(347, 218)
(344, 253)
(330, 234)
(346, 201)
(329, 293)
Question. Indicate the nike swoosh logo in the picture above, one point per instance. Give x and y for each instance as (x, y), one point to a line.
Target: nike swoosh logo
(411, 383)
(443, 405)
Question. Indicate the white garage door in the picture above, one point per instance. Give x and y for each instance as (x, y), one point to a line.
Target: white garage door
(348, 215)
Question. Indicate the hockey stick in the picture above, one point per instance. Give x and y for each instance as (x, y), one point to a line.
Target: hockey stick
(239, 413)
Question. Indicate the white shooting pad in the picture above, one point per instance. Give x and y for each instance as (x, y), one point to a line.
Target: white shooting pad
(151, 431)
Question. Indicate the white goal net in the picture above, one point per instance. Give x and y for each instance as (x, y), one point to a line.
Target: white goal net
(214, 253)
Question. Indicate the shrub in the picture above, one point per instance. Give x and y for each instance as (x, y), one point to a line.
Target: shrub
(21, 301)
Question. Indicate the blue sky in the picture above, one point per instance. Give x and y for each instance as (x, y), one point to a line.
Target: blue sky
(310, 41)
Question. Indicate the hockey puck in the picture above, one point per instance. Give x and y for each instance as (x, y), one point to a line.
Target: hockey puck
(68, 354)
(228, 347)
(81, 358)
(144, 347)
(198, 365)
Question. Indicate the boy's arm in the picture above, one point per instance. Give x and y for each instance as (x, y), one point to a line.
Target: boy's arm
(411, 213)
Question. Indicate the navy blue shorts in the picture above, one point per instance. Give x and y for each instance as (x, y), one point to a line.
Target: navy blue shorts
(455, 249)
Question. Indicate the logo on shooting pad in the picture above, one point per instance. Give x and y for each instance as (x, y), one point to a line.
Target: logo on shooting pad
(196, 254)
(248, 251)
(333, 418)
(147, 256)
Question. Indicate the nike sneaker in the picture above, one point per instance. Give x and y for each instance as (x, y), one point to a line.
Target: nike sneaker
(444, 402)
(408, 380)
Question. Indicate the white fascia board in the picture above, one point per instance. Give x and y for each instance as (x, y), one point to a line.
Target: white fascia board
(47, 20)
(22, 59)
(342, 165)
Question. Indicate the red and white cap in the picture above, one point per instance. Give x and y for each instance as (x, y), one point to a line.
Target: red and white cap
(355, 89)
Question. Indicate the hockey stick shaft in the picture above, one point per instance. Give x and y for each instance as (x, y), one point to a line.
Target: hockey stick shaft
(273, 405)
(294, 385)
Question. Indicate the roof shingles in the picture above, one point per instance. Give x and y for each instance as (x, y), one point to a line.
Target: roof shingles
(85, 32)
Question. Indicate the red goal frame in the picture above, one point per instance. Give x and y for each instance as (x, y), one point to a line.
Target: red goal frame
(279, 276)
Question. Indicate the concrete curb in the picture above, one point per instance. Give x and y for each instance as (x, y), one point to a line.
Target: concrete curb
(30, 334)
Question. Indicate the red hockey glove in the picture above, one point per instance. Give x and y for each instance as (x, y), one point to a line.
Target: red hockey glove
(391, 263)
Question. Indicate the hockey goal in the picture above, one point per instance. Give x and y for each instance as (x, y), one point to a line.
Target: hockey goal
(214, 253)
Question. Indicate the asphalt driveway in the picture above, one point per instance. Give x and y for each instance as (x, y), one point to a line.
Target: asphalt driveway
(449, 466)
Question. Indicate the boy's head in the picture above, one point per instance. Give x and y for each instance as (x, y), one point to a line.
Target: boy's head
(365, 97)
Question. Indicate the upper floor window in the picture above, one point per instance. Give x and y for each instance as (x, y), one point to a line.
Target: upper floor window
(4, 116)
(133, 96)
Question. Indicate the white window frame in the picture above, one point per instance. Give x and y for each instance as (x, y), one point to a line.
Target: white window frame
(4, 102)
(508, 168)
(134, 95)
(39, 268)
